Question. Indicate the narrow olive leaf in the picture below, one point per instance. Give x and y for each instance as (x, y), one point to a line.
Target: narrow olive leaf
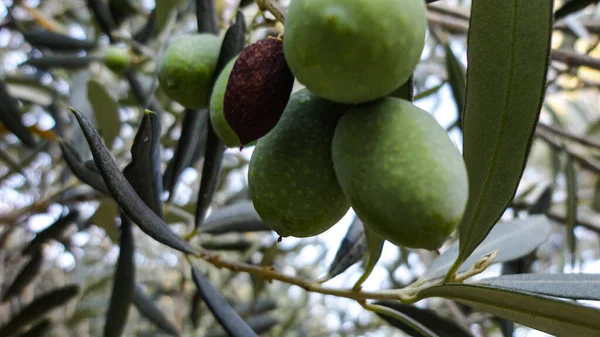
(233, 43)
(39, 329)
(121, 10)
(106, 112)
(596, 199)
(101, 12)
(503, 101)
(513, 239)
(123, 285)
(240, 217)
(147, 30)
(55, 41)
(458, 82)
(571, 218)
(543, 202)
(39, 307)
(125, 195)
(60, 61)
(571, 286)
(258, 90)
(238, 245)
(148, 309)
(257, 307)
(351, 250)
(374, 248)
(439, 325)
(193, 121)
(406, 91)
(105, 217)
(51, 232)
(11, 163)
(572, 6)
(195, 309)
(206, 17)
(230, 320)
(164, 9)
(10, 117)
(259, 324)
(551, 315)
(428, 92)
(144, 172)
(90, 164)
(79, 169)
(25, 276)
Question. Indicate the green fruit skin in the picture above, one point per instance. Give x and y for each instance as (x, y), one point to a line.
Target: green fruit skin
(354, 51)
(404, 177)
(186, 71)
(291, 179)
(217, 118)
(117, 58)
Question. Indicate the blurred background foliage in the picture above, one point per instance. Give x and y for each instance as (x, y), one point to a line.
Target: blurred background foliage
(38, 190)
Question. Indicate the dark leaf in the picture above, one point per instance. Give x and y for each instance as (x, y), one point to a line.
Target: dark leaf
(206, 17)
(10, 116)
(571, 218)
(164, 10)
(439, 325)
(351, 250)
(458, 82)
(195, 309)
(406, 91)
(125, 195)
(123, 285)
(121, 10)
(147, 30)
(596, 200)
(79, 169)
(543, 203)
(238, 245)
(239, 217)
(39, 329)
(505, 91)
(233, 42)
(101, 12)
(144, 172)
(48, 62)
(258, 90)
(547, 314)
(259, 324)
(39, 307)
(571, 6)
(257, 307)
(54, 231)
(26, 275)
(148, 309)
(230, 320)
(55, 41)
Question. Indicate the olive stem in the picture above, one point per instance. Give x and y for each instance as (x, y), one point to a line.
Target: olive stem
(423, 330)
(273, 7)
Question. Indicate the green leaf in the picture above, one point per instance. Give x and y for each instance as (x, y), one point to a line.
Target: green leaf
(164, 10)
(10, 116)
(439, 325)
(457, 80)
(25, 276)
(406, 91)
(429, 92)
(571, 218)
(572, 286)
(51, 232)
(144, 172)
(106, 112)
(101, 12)
(206, 17)
(259, 324)
(125, 195)
(572, 6)
(351, 250)
(550, 315)
(514, 239)
(60, 61)
(374, 248)
(236, 245)
(240, 217)
(148, 309)
(504, 96)
(230, 320)
(596, 200)
(39, 307)
(105, 217)
(43, 38)
(39, 329)
(79, 169)
(123, 285)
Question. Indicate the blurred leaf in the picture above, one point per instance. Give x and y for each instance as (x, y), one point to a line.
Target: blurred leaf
(39, 307)
(238, 217)
(51, 232)
(514, 239)
(233, 42)
(259, 324)
(164, 9)
(60, 61)
(406, 91)
(106, 112)
(572, 6)
(206, 17)
(195, 309)
(26, 275)
(571, 219)
(230, 320)
(458, 82)
(550, 315)
(596, 200)
(32, 92)
(439, 325)
(237, 245)
(125, 195)
(374, 248)
(123, 284)
(10, 116)
(257, 307)
(267, 261)
(43, 38)
(504, 96)
(351, 250)
(431, 91)
(572, 286)
(148, 309)
(144, 172)
(78, 98)
(79, 169)
(101, 12)
(39, 330)
(121, 9)
(543, 203)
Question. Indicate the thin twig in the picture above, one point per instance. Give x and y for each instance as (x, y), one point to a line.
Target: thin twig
(589, 164)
